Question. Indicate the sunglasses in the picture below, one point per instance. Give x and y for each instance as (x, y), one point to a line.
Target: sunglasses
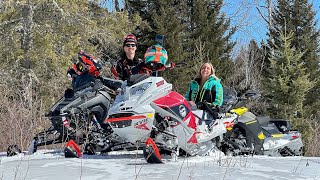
(130, 45)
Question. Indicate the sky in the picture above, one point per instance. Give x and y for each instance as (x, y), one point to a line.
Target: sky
(52, 165)
(251, 25)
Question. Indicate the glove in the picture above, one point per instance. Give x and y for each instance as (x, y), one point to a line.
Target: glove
(199, 105)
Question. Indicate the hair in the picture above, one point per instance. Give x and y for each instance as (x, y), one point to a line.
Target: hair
(199, 76)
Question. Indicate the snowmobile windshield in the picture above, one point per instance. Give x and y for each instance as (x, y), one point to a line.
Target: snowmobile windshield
(134, 79)
(229, 99)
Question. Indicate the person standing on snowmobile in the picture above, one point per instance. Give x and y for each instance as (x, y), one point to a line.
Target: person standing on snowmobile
(122, 69)
(205, 88)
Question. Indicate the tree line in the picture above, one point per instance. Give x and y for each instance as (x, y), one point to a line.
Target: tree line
(39, 38)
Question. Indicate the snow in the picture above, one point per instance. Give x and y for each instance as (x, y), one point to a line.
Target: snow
(131, 165)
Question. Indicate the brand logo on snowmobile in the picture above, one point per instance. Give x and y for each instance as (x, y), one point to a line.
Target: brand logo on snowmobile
(142, 124)
(182, 111)
(160, 83)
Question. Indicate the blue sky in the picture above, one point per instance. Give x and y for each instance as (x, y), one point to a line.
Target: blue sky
(245, 16)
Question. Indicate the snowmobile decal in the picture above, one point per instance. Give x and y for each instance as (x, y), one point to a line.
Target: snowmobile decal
(229, 125)
(142, 124)
(160, 83)
(192, 121)
(251, 122)
(193, 138)
(261, 136)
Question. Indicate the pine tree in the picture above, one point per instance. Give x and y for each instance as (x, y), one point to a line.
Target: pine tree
(213, 28)
(298, 16)
(289, 81)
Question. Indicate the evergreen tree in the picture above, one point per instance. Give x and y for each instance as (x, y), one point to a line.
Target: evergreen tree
(298, 16)
(213, 28)
(289, 81)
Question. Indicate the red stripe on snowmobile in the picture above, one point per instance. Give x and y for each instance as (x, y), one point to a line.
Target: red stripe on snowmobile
(124, 118)
(71, 143)
(154, 146)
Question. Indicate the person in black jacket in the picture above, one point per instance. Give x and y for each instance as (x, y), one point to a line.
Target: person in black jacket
(123, 67)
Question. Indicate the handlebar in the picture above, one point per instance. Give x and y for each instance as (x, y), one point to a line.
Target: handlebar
(173, 65)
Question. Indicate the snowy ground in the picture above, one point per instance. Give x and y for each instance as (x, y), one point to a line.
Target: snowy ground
(131, 165)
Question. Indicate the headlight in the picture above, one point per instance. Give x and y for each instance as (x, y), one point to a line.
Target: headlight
(139, 90)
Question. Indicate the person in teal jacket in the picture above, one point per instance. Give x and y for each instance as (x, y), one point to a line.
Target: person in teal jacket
(206, 87)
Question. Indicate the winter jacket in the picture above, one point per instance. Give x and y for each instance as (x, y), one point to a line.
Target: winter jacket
(211, 92)
(124, 67)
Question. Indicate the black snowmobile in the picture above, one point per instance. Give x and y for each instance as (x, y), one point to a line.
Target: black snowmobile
(280, 138)
(79, 115)
(244, 135)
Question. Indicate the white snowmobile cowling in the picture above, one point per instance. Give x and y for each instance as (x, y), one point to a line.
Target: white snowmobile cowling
(149, 108)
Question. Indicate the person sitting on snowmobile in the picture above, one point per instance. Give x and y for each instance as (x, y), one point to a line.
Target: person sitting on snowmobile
(206, 88)
(123, 67)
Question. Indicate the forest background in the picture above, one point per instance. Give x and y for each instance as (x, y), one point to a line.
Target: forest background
(39, 38)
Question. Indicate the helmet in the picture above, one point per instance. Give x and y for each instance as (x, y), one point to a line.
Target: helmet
(129, 38)
(156, 54)
(88, 63)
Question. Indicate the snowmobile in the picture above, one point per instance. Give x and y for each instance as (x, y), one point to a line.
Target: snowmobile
(244, 133)
(79, 114)
(280, 138)
(148, 113)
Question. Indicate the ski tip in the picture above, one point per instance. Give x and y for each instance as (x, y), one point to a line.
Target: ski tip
(72, 150)
(151, 152)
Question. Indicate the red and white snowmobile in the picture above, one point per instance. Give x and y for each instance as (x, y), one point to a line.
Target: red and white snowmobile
(148, 113)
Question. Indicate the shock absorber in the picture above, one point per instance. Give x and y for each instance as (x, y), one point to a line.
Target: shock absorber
(66, 123)
(95, 121)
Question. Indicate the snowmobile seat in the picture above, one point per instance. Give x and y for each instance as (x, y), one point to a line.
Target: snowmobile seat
(282, 124)
(112, 83)
(271, 129)
(264, 120)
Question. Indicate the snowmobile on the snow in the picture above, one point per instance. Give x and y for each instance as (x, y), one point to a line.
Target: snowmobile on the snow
(280, 138)
(244, 133)
(148, 113)
(79, 114)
